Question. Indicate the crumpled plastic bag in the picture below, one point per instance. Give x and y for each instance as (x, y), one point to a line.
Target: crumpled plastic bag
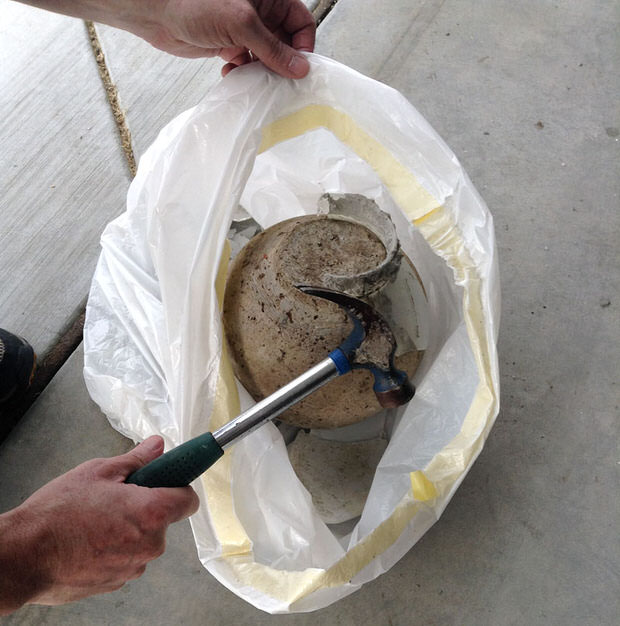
(156, 361)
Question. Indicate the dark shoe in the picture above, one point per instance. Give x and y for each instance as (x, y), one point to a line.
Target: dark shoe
(17, 365)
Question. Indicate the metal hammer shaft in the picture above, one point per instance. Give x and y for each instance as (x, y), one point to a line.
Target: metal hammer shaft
(277, 402)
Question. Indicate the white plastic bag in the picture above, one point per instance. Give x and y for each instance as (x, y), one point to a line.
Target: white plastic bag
(156, 362)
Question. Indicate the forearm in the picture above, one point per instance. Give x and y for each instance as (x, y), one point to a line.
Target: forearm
(87, 532)
(125, 14)
(275, 32)
(21, 575)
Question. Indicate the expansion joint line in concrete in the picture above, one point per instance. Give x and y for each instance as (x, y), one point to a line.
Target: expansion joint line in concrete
(322, 10)
(112, 96)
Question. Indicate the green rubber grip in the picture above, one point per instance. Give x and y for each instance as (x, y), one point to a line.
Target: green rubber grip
(181, 465)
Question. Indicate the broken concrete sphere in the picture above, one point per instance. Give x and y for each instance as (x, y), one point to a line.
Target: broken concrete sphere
(276, 332)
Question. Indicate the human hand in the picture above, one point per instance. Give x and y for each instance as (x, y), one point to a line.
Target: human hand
(238, 31)
(87, 532)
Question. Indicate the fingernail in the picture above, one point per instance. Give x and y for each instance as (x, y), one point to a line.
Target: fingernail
(155, 442)
(298, 65)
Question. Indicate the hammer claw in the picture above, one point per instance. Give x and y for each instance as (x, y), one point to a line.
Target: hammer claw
(371, 345)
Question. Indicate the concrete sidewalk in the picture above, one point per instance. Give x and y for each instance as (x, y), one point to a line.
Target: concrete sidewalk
(527, 95)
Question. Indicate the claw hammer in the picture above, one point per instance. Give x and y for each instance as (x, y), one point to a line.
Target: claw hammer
(370, 345)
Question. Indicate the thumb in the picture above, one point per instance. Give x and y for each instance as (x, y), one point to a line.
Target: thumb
(275, 54)
(142, 454)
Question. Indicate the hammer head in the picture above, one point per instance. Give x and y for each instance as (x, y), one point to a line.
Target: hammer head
(371, 345)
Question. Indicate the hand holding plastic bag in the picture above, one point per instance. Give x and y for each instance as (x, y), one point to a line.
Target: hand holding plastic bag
(156, 361)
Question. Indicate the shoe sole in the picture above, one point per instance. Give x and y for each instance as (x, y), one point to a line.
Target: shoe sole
(26, 365)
